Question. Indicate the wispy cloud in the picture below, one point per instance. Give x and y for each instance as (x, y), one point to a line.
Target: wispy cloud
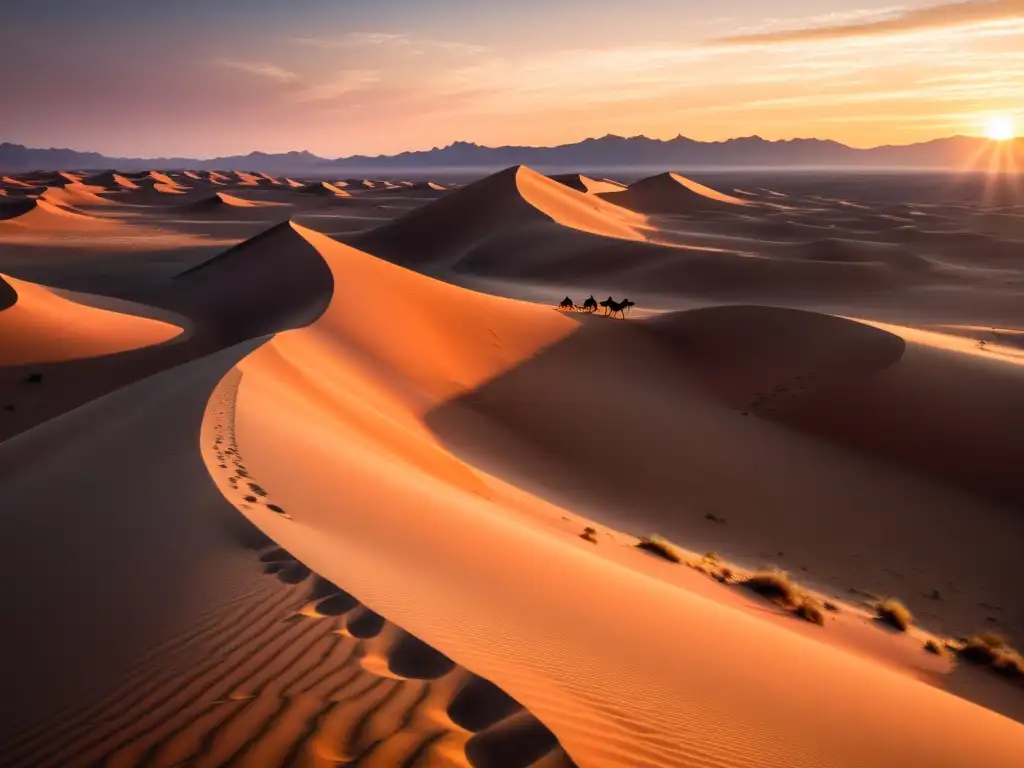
(345, 83)
(396, 41)
(946, 16)
(260, 69)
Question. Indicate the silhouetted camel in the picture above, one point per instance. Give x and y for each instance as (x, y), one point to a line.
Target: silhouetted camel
(607, 304)
(566, 303)
(618, 307)
(628, 304)
(590, 305)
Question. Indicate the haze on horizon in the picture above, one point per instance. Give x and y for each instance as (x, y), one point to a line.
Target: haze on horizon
(342, 77)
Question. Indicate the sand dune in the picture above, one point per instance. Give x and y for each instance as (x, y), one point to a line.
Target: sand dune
(230, 291)
(76, 196)
(324, 189)
(221, 200)
(44, 216)
(38, 326)
(230, 648)
(419, 187)
(582, 183)
(338, 518)
(13, 182)
(513, 200)
(369, 401)
(672, 193)
(523, 226)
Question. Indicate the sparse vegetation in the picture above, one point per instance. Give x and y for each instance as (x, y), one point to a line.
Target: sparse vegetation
(711, 557)
(931, 646)
(809, 610)
(895, 614)
(992, 650)
(589, 534)
(774, 585)
(659, 546)
(830, 606)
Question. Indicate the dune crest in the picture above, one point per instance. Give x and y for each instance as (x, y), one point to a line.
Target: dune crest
(76, 195)
(672, 193)
(514, 200)
(40, 326)
(222, 200)
(582, 183)
(325, 189)
(359, 402)
(42, 215)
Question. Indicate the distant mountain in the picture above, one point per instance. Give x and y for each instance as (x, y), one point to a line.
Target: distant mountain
(608, 153)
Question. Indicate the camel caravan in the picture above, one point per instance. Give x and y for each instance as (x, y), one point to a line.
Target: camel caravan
(610, 305)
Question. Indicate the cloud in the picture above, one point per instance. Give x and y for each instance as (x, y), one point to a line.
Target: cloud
(345, 83)
(260, 69)
(937, 17)
(393, 40)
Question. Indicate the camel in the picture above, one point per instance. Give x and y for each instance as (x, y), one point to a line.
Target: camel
(590, 305)
(566, 303)
(607, 304)
(617, 307)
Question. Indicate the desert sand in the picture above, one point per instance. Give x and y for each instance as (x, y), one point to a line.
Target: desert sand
(295, 471)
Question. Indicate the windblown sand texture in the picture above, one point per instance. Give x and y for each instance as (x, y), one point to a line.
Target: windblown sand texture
(295, 472)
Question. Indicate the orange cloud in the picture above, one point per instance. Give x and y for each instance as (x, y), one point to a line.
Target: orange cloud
(947, 16)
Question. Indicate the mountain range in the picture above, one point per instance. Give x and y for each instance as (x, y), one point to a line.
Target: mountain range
(607, 153)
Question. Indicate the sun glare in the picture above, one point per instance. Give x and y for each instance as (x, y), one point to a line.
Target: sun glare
(1000, 128)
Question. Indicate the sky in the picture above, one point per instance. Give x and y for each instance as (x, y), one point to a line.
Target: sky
(198, 78)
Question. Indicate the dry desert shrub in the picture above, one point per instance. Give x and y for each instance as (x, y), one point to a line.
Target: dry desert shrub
(774, 585)
(659, 546)
(809, 610)
(895, 614)
(992, 650)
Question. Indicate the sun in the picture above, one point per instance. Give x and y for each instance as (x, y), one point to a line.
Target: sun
(1000, 128)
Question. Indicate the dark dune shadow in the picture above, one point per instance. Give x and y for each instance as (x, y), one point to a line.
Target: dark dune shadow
(336, 605)
(366, 625)
(411, 657)
(515, 742)
(480, 704)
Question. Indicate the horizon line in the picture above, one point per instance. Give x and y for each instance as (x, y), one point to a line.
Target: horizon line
(513, 146)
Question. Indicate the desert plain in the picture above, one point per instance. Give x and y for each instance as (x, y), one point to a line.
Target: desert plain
(315, 472)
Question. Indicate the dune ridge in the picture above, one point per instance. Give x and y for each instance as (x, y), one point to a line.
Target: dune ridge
(672, 193)
(38, 326)
(325, 189)
(513, 200)
(582, 183)
(356, 399)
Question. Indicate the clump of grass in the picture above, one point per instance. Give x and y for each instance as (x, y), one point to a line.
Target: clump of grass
(932, 646)
(809, 610)
(774, 585)
(711, 557)
(830, 606)
(659, 546)
(895, 614)
(589, 534)
(992, 650)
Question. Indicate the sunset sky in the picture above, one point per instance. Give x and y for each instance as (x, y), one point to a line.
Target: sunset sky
(340, 77)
